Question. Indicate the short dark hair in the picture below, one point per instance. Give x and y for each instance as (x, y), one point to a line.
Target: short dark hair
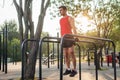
(64, 7)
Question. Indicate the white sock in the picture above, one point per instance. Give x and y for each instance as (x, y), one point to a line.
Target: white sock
(68, 69)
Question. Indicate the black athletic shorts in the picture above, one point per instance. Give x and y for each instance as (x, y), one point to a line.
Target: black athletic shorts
(68, 42)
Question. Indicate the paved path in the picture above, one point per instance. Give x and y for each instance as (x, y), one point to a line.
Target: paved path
(52, 73)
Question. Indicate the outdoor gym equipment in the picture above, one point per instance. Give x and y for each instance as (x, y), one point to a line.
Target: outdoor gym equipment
(61, 60)
(86, 37)
(23, 56)
(60, 40)
(40, 58)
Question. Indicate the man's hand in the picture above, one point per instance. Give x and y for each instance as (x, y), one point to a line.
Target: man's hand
(76, 39)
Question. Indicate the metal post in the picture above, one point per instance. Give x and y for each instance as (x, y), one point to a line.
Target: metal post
(101, 60)
(96, 61)
(119, 58)
(13, 55)
(79, 54)
(23, 60)
(88, 57)
(6, 49)
(58, 52)
(114, 60)
(3, 54)
(61, 59)
(0, 51)
(53, 53)
(107, 57)
(40, 58)
(48, 47)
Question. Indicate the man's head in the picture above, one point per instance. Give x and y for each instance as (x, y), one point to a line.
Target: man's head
(63, 10)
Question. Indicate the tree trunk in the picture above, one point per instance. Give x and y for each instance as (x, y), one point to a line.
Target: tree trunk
(30, 68)
(29, 26)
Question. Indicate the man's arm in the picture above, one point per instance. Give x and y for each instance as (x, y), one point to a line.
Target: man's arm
(72, 24)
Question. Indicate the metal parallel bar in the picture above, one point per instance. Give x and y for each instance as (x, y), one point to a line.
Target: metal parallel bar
(58, 52)
(3, 55)
(96, 38)
(61, 61)
(48, 64)
(53, 54)
(0, 51)
(119, 58)
(40, 60)
(22, 57)
(61, 51)
(40, 53)
(22, 49)
(113, 44)
(6, 49)
(3, 62)
(61, 55)
(51, 41)
(79, 53)
(101, 60)
(114, 61)
(15, 54)
(107, 57)
(48, 54)
(95, 54)
(58, 55)
(88, 58)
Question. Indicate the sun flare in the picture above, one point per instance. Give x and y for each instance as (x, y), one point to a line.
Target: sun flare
(84, 24)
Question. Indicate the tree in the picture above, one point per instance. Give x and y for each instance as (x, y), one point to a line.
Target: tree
(104, 16)
(25, 14)
(12, 29)
(102, 13)
(12, 38)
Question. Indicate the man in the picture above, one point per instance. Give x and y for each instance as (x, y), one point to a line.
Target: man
(67, 26)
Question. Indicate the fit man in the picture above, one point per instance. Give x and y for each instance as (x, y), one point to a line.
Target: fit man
(67, 26)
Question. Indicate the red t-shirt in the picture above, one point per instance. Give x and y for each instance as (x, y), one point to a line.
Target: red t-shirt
(65, 26)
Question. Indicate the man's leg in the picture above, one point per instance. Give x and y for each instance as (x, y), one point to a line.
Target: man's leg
(67, 58)
(71, 52)
(67, 62)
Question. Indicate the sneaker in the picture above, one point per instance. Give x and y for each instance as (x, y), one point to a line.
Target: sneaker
(67, 72)
(73, 73)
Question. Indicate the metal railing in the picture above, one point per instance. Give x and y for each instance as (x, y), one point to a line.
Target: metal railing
(86, 37)
(55, 40)
(60, 40)
(23, 56)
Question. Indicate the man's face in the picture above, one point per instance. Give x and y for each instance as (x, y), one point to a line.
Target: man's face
(62, 11)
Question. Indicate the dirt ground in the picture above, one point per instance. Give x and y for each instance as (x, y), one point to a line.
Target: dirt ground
(52, 73)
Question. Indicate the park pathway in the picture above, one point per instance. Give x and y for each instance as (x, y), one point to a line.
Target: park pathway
(52, 73)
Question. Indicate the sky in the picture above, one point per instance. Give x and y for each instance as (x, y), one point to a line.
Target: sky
(8, 12)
